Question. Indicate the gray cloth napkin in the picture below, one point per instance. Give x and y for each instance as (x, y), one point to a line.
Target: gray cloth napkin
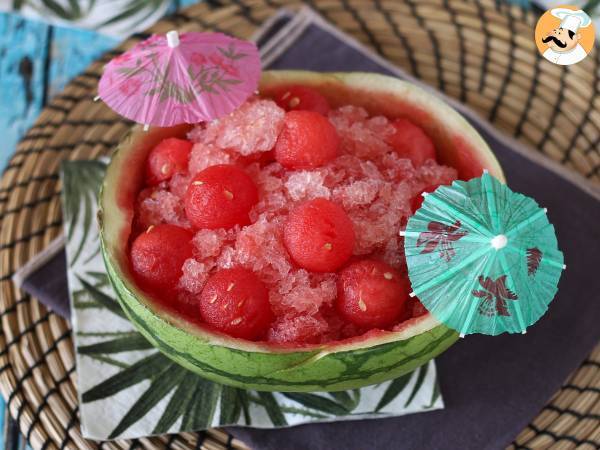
(45, 277)
(493, 386)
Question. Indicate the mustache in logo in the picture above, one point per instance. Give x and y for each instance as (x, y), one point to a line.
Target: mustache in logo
(556, 41)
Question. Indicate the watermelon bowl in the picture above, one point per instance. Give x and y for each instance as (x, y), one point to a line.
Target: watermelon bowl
(356, 360)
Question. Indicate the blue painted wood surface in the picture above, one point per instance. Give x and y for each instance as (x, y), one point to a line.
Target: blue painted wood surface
(22, 56)
(36, 61)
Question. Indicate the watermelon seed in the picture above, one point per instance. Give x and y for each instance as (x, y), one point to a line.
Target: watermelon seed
(361, 305)
(198, 183)
(241, 303)
(286, 95)
(164, 169)
(149, 228)
(328, 246)
(213, 299)
(294, 101)
(388, 276)
(230, 287)
(236, 321)
(228, 194)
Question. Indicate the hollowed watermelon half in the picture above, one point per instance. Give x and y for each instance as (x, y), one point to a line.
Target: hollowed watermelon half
(371, 358)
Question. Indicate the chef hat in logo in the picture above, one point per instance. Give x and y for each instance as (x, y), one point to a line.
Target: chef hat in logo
(571, 20)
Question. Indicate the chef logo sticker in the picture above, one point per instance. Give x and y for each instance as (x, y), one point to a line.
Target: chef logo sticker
(564, 35)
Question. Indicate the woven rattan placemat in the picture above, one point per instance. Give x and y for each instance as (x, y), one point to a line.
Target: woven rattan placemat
(480, 52)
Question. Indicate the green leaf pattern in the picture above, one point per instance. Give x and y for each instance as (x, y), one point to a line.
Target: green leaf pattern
(140, 392)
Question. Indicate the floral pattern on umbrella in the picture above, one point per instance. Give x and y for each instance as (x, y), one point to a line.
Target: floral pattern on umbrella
(192, 77)
(534, 258)
(212, 75)
(443, 236)
(494, 295)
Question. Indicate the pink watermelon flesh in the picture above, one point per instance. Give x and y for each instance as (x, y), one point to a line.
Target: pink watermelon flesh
(368, 179)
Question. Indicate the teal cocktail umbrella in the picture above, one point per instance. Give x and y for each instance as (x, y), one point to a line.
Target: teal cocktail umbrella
(482, 258)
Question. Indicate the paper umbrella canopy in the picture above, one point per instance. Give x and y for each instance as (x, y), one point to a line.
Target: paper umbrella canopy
(173, 79)
(482, 258)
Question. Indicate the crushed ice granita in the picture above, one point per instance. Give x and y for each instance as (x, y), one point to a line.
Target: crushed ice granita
(280, 222)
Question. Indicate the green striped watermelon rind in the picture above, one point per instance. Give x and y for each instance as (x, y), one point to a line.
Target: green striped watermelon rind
(315, 369)
(373, 358)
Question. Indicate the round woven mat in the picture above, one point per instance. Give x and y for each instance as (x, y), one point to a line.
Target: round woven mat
(479, 52)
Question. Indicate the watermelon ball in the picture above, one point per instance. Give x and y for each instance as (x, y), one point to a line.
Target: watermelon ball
(236, 302)
(411, 142)
(319, 235)
(158, 254)
(308, 140)
(371, 294)
(302, 98)
(219, 197)
(417, 201)
(169, 157)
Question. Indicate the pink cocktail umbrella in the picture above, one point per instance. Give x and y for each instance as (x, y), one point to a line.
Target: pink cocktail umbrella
(189, 78)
